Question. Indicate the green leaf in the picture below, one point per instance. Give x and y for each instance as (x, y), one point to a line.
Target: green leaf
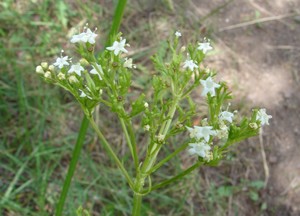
(138, 106)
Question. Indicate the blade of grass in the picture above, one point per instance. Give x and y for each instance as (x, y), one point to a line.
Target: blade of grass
(72, 166)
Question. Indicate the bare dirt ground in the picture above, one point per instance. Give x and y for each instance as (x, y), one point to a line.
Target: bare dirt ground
(262, 62)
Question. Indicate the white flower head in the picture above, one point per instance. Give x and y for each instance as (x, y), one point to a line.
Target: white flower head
(205, 47)
(76, 68)
(200, 148)
(146, 105)
(95, 71)
(61, 62)
(190, 64)
(204, 132)
(177, 34)
(147, 127)
(128, 63)
(263, 117)
(160, 137)
(201, 132)
(86, 36)
(209, 86)
(225, 115)
(118, 47)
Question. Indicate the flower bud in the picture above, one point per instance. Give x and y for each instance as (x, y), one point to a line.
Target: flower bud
(44, 65)
(147, 127)
(47, 74)
(183, 49)
(253, 125)
(73, 79)
(39, 70)
(51, 68)
(61, 76)
(84, 62)
(146, 105)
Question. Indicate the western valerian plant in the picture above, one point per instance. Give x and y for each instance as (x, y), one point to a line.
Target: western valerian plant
(169, 112)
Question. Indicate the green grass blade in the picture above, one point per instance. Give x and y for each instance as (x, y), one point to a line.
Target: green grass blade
(72, 166)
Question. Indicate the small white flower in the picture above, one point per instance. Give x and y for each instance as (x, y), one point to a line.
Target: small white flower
(204, 47)
(128, 63)
(201, 149)
(147, 127)
(263, 117)
(160, 137)
(223, 132)
(204, 132)
(76, 68)
(82, 94)
(95, 71)
(89, 36)
(61, 62)
(146, 105)
(177, 34)
(201, 132)
(209, 86)
(225, 115)
(190, 64)
(118, 47)
(84, 37)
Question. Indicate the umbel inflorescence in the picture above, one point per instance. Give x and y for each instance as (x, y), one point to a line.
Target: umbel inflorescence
(106, 80)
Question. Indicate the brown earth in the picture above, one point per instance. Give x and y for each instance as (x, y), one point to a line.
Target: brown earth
(261, 61)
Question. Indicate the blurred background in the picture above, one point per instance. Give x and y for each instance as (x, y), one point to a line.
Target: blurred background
(257, 51)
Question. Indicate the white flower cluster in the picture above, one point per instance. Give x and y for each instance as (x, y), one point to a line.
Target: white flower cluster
(202, 135)
(87, 36)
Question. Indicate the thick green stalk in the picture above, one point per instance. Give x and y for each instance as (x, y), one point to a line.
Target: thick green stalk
(137, 204)
(72, 166)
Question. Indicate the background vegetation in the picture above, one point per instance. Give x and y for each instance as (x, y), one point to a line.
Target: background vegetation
(39, 122)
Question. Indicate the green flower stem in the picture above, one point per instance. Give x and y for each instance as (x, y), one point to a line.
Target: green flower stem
(169, 157)
(72, 166)
(149, 162)
(131, 144)
(111, 152)
(179, 176)
(137, 203)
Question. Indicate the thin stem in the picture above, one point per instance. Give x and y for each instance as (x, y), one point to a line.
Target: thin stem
(111, 152)
(169, 157)
(130, 143)
(180, 175)
(72, 166)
